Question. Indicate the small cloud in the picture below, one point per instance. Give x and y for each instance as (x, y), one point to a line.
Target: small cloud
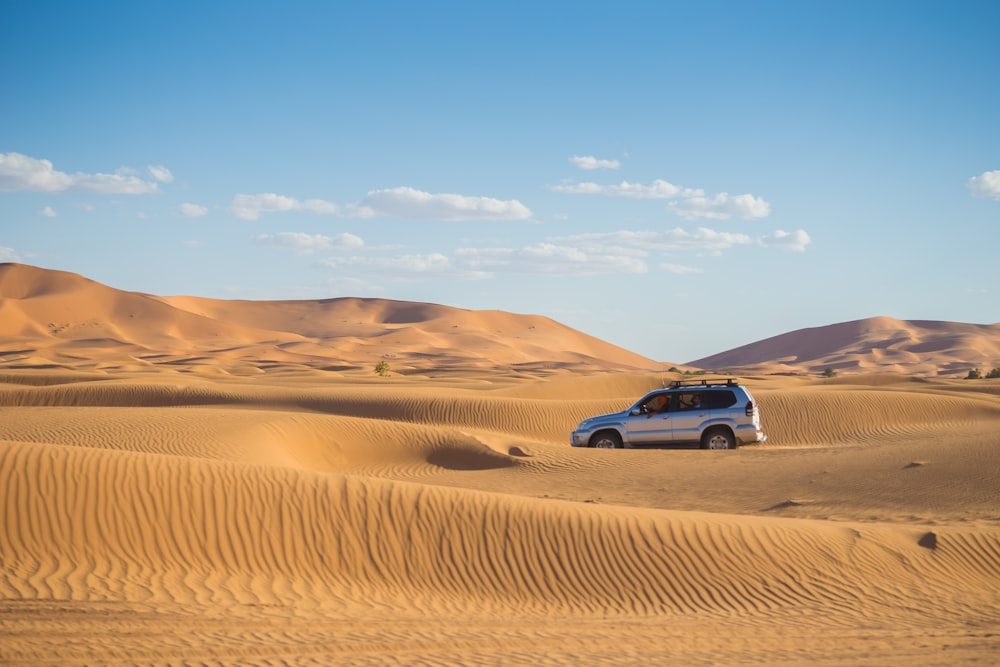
(306, 244)
(658, 189)
(672, 240)
(403, 267)
(987, 184)
(690, 203)
(406, 202)
(47, 212)
(86, 206)
(9, 255)
(721, 207)
(551, 259)
(161, 173)
(795, 241)
(192, 210)
(249, 207)
(23, 173)
(590, 163)
(580, 189)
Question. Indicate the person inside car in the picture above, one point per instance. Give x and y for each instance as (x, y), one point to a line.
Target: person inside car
(657, 405)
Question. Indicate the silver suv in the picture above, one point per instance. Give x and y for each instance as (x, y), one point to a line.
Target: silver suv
(714, 414)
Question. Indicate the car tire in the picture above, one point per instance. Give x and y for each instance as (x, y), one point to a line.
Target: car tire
(606, 440)
(718, 438)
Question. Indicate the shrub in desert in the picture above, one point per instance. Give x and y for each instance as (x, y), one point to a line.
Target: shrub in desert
(974, 374)
(995, 373)
(382, 368)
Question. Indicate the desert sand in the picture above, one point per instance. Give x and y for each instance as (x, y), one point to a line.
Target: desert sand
(926, 348)
(168, 501)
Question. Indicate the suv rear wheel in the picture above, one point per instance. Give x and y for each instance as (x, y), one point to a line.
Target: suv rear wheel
(718, 438)
(606, 440)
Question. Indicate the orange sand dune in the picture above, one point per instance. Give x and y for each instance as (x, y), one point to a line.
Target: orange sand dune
(916, 347)
(53, 319)
(191, 481)
(292, 518)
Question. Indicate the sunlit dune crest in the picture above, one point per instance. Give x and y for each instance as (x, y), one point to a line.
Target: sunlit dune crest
(172, 504)
(55, 318)
(914, 347)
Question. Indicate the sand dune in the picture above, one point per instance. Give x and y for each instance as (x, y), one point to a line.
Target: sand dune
(54, 319)
(914, 347)
(189, 481)
(289, 520)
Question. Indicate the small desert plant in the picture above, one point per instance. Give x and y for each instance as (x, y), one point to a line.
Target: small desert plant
(829, 373)
(974, 374)
(995, 373)
(382, 368)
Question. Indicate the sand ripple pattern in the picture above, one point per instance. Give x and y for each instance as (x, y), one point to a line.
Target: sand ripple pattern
(86, 524)
(300, 521)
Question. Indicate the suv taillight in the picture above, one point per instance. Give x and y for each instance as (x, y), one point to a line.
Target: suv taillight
(749, 408)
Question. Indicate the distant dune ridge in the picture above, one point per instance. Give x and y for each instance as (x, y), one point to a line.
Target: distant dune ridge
(915, 347)
(54, 318)
(198, 481)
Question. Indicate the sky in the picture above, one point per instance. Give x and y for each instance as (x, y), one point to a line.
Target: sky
(676, 178)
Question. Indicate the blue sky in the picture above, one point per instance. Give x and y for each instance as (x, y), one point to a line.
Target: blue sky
(677, 178)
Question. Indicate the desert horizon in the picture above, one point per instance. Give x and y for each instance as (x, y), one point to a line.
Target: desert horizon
(182, 485)
(56, 318)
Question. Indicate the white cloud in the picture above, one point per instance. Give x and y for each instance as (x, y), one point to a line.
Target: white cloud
(648, 241)
(161, 173)
(359, 211)
(987, 184)
(679, 269)
(550, 259)
(579, 189)
(47, 212)
(318, 206)
(402, 202)
(249, 207)
(690, 203)
(721, 207)
(20, 172)
(795, 241)
(589, 162)
(483, 263)
(432, 265)
(406, 202)
(659, 189)
(192, 210)
(614, 253)
(9, 255)
(306, 244)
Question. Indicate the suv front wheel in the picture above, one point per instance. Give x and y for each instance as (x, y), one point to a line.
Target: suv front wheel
(606, 440)
(718, 438)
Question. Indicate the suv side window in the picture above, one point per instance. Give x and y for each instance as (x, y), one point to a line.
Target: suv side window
(719, 400)
(689, 400)
(656, 404)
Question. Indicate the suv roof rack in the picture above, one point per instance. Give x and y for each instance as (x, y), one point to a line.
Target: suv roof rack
(727, 382)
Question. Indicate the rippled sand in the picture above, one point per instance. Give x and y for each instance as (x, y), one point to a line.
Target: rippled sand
(298, 517)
